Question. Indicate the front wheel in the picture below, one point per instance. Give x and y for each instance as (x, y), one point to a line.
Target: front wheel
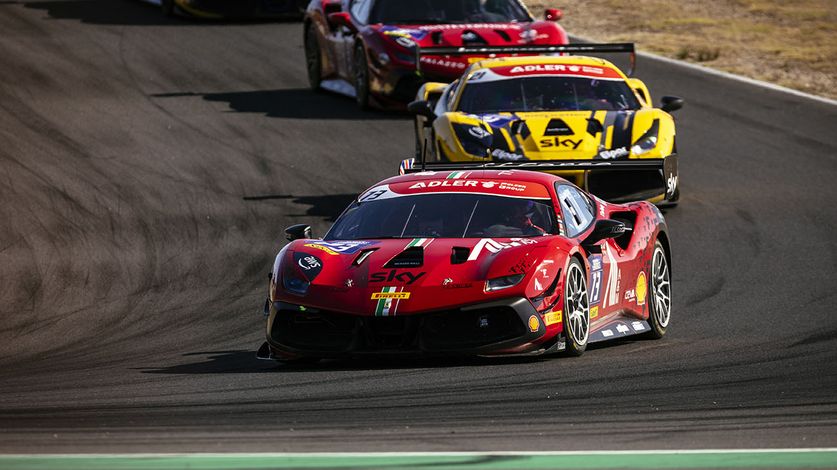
(361, 77)
(576, 309)
(659, 302)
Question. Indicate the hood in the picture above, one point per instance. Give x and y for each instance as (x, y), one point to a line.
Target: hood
(574, 134)
(406, 37)
(403, 276)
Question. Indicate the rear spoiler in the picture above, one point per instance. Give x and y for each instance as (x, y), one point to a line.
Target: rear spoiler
(534, 49)
(411, 166)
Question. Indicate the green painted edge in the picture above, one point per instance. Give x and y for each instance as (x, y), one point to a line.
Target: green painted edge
(441, 461)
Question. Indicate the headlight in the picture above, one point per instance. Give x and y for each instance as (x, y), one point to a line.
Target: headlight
(383, 58)
(294, 283)
(475, 139)
(647, 141)
(504, 282)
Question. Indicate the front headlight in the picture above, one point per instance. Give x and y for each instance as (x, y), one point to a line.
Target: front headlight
(504, 282)
(475, 139)
(294, 283)
(647, 141)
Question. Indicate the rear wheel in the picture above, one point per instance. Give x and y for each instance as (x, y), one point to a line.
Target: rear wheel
(659, 302)
(576, 309)
(361, 77)
(313, 60)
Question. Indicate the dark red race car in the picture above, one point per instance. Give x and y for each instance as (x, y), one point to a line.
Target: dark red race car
(369, 49)
(473, 262)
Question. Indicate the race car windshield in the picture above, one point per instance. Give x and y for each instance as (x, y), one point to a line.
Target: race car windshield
(547, 94)
(447, 11)
(445, 216)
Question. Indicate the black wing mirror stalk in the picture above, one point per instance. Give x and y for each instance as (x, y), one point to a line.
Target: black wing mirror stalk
(422, 108)
(670, 104)
(298, 231)
(604, 229)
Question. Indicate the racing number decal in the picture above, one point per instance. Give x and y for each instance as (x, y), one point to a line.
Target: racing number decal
(372, 195)
(595, 279)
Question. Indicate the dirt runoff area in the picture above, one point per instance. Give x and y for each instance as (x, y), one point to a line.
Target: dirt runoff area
(792, 43)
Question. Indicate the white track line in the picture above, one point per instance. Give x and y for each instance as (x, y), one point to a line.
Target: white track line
(441, 454)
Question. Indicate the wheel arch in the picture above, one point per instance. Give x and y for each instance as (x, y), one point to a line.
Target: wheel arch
(662, 236)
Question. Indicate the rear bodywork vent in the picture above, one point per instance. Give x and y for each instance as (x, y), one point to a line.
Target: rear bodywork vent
(410, 258)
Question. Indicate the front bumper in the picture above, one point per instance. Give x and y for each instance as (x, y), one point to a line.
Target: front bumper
(488, 328)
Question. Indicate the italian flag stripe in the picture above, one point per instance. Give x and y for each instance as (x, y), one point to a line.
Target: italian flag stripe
(422, 242)
(456, 175)
(382, 309)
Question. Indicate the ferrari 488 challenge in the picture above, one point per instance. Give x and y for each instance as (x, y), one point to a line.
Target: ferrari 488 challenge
(580, 112)
(470, 262)
(369, 48)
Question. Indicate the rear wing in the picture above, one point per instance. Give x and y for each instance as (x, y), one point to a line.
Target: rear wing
(410, 165)
(534, 49)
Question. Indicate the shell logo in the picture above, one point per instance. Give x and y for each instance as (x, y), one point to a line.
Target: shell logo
(534, 324)
(641, 288)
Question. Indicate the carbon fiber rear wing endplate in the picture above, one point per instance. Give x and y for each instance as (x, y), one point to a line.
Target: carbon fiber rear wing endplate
(534, 49)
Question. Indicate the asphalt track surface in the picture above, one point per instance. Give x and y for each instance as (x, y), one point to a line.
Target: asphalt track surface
(148, 167)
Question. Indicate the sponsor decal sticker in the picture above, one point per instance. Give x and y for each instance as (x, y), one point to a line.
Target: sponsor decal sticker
(552, 318)
(614, 153)
(671, 185)
(607, 333)
(493, 246)
(630, 295)
(594, 312)
(501, 154)
(309, 264)
(641, 288)
(638, 326)
(390, 295)
(622, 328)
(393, 275)
(340, 248)
(534, 323)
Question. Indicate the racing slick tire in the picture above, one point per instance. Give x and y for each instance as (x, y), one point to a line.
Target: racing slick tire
(361, 77)
(659, 293)
(167, 7)
(313, 60)
(576, 309)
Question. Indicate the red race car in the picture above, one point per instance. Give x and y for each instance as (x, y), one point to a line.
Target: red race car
(470, 262)
(369, 49)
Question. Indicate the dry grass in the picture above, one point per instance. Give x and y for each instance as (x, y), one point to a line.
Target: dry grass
(791, 43)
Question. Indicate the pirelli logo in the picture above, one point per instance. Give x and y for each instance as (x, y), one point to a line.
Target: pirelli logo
(390, 295)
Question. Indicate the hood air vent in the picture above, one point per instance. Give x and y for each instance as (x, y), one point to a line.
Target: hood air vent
(410, 258)
(558, 127)
(459, 255)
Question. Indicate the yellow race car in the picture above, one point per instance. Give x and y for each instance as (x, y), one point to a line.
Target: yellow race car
(577, 116)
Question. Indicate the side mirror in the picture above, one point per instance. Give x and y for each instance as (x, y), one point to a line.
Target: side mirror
(604, 229)
(298, 231)
(341, 18)
(553, 14)
(421, 108)
(671, 103)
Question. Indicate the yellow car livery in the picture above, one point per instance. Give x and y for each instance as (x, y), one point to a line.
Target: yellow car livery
(578, 116)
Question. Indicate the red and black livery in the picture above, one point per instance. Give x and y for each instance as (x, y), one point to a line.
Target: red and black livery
(370, 49)
(470, 261)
